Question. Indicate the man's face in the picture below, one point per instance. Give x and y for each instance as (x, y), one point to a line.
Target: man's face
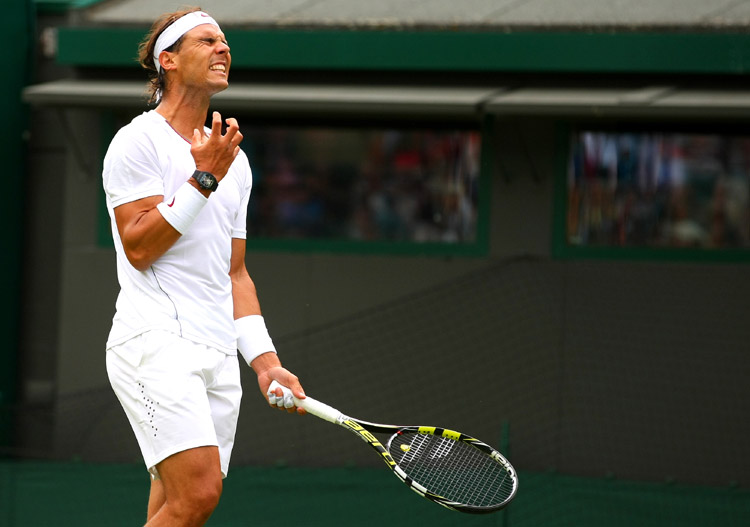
(203, 59)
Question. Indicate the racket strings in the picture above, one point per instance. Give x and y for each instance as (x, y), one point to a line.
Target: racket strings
(455, 470)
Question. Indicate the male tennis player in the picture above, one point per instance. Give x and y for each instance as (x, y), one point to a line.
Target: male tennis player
(177, 195)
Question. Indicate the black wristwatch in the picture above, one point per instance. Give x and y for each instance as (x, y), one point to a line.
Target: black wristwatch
(206, 180)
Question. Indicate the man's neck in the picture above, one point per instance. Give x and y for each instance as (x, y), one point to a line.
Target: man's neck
(184, 114)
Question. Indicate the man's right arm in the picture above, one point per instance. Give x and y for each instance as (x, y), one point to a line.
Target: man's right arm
(144, 232)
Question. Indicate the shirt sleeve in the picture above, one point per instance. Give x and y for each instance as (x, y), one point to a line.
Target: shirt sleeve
(239, 229)
(131, 169)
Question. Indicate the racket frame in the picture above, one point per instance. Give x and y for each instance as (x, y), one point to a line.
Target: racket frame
(365, 430)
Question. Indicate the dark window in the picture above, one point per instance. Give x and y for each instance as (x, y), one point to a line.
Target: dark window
(357, 184)
(658, 190)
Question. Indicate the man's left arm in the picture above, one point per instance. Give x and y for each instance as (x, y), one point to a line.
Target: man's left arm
(254, 342)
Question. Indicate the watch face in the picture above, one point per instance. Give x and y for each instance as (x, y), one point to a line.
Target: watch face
(205, 180)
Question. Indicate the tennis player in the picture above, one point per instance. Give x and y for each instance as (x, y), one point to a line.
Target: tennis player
(177, 194)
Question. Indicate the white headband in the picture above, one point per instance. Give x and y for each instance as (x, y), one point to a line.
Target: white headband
(178, 28)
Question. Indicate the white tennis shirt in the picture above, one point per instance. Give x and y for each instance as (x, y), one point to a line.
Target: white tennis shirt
(187, 290)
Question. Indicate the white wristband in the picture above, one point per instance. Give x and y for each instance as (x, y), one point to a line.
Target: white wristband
(253, 338)
(183, 207)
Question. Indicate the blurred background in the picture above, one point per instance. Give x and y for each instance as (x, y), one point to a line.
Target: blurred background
(527, 220)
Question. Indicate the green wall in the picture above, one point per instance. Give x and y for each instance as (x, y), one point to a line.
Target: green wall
(628, 52)
(63, 494)
(16, 26)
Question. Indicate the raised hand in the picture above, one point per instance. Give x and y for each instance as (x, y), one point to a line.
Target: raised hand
(216, 153)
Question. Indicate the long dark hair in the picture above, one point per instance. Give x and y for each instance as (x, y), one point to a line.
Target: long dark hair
(156, 79)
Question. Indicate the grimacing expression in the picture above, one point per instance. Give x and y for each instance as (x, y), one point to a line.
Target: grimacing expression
(203, 59)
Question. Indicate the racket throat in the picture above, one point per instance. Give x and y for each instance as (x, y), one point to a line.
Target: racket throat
(368, 438)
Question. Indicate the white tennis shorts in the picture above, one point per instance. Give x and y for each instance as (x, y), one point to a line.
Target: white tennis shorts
(177, 395)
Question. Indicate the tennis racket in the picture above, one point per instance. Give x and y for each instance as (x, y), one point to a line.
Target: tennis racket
(449, 468)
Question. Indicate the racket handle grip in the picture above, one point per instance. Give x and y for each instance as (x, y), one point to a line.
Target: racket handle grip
(318, 409)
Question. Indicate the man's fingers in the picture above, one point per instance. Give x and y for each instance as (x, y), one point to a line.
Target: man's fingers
(216, 125)
(236, 139)
(233, 135)
(276, 394)
(297, 390)
(218, 151)
(232, 124)
(282, 396)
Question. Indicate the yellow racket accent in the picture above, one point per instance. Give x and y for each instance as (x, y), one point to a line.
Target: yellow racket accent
(450, 434)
